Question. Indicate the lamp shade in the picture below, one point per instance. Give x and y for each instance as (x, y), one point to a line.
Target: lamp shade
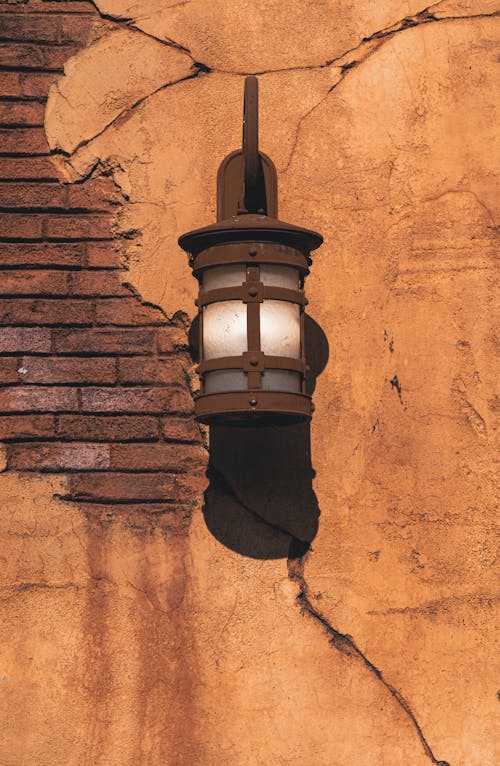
(251, 271)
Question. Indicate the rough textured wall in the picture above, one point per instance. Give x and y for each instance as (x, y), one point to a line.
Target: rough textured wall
(325, 595)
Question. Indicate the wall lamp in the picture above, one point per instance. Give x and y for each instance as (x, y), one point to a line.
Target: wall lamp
(251, 269)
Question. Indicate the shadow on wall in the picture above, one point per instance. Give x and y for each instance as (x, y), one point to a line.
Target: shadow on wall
(260, 501)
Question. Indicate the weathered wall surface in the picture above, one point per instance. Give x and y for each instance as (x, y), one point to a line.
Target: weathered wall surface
(322, 597)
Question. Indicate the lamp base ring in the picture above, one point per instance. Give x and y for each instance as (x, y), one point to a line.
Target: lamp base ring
(253, 407)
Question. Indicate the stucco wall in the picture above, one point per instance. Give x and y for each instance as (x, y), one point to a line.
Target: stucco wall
(331, 598)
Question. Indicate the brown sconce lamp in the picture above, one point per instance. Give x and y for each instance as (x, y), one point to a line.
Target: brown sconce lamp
(251, 269)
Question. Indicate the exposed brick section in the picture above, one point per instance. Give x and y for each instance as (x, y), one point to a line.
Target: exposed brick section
(93, 383)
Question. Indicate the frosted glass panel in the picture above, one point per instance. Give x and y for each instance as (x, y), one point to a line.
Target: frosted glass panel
(281, 380)
(279, 276)
(224, 329)
(225, 380)
(280, 328)
(224, 276)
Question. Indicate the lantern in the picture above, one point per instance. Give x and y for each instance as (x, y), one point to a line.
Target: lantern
(251, 269)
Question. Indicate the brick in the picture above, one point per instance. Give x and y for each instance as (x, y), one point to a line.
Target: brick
(180, 430)
(37, 84)
(26, 85)
(30, 28)
(127, 311)
(41, 254)
(97, 283)
(137, 399)
(41, 311)
(11, 84)
(18, 226)
(74, 29)
(23, 141)
(41, 168)
(34, 28)
(35, 56)
(76, 456)
(172, 340)
(157, 457)
(29, 113)
(108, 427)
(27, 426)
(126, 488)
(3, 457)
(68, 370)
(8, 369)
(147, 370)
(44, 6)
(37, 282)
(32, 195)
(171, 516)
(39, 399)
(77, 226)
(24, 340)
(93, 195)
(98, 341)
(103, 255)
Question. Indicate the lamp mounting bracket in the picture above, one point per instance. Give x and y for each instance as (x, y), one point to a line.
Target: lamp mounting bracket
(247, 181)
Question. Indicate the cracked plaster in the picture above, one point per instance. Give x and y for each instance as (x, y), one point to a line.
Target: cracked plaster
(391, 160)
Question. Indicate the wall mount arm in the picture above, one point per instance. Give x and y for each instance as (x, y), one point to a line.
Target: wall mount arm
(247, 181)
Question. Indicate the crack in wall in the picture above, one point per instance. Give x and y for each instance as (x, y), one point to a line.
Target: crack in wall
(441, 604)
(367, 48)
(345, 63)
(340, 641)
(346, 645)
(131, 23)
(124, 114)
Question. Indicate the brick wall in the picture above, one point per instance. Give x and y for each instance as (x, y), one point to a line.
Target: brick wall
(93, 383)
